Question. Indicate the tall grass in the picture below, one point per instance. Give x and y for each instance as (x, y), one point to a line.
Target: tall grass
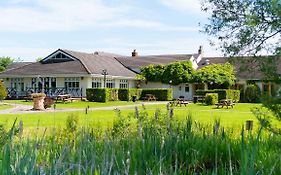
(142, 144)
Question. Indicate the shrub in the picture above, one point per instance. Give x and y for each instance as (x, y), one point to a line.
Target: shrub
(252, 94)
(3, 91)
(160, 94)
(211, 98)
(72, 122)
(126, 94)
(222, 93)
(98, 95)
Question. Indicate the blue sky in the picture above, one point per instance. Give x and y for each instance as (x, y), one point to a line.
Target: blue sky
(34, 28)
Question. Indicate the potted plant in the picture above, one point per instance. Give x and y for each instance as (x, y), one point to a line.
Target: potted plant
(38, 101)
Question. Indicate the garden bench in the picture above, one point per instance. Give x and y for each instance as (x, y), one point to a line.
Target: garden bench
(181, 101)
(150, 97)
(225, 102)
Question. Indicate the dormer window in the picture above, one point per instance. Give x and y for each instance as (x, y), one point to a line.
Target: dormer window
(58, 57)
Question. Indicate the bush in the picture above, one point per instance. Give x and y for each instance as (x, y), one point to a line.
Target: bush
(211, 98)
(98, 95)
(3, 91)
(126, 94)
(222, 93)
(160, 94)
(252, 94)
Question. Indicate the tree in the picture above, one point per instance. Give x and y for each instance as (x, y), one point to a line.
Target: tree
(5, 62)
(3, 91)
(220, 74)
(245, 27)
(178, 72)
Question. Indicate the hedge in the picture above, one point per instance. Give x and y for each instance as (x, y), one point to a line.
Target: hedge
(252, 94)
(211, 98)
(161, 94)
(127, 94)
(102, 95)
(222, 93)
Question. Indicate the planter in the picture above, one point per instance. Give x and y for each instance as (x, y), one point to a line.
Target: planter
(38, 101)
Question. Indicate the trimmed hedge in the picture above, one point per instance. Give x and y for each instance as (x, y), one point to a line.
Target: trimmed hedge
(102, 94)
(161, 94)
(211, 98)
(222, 93)
(108, 94)
(252, 94)
(127, 94)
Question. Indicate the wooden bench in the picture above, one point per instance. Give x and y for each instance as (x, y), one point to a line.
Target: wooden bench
(150, 97)
(225, 102)
(181, 101)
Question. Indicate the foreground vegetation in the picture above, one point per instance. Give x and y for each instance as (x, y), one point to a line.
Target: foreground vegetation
(141, 144)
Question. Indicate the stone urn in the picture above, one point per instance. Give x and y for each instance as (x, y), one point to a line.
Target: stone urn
(38, 101)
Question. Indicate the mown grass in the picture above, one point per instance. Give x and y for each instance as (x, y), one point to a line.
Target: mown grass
(76, 104)
(229, 118)
(142, 143)
(5, 106)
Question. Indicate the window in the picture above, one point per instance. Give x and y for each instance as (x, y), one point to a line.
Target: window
(71, 83)
(186, 88)
(96, 83)
(123, 84)
(17, 83)
(110, 83)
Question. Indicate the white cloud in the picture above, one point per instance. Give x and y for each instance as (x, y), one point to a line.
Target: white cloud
(192, 6)
(69, 15)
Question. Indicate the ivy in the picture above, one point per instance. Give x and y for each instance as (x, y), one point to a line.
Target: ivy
(183, 72)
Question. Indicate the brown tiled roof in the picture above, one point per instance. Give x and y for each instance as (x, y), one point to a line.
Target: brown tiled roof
(17, 65)
(83, 64)
(37, 68)
(134, 63)
(96, 62)
(246, 67)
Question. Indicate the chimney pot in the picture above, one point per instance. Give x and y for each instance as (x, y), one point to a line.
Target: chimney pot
(200, 50)
(134, 53)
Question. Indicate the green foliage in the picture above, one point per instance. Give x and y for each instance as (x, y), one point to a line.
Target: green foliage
(98, 94)
(222, 93)
(252, 94)
(211, 98)
(244, 27)
(153, 72)
(221, 74)
(3, 91)
(126, 94)
(161, 94)
(5, 62)
(72, 123)
(178, 72)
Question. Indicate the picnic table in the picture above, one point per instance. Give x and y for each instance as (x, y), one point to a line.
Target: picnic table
(198, 98)
(180, 101)
(225, 102)
(63, 97)
(150, 97)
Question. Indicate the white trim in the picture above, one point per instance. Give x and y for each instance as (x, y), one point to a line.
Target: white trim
(57, 52)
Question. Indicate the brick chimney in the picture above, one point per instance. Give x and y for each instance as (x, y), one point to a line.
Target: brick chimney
(200, 50)
(134, 53)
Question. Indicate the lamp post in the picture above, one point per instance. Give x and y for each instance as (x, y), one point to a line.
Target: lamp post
(170, 83)
(104, 73)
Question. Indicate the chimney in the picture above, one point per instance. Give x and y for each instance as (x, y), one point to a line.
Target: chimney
(134, 53)
(200, 50)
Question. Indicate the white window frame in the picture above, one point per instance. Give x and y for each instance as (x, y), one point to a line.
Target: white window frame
(110, 83)
(123, 84)
(96, 83)
(72, 83)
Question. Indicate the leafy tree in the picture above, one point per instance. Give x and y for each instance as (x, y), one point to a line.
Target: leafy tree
(5, 62)
(221, 74)
(244, 26)
(153, 72)
(178, 72)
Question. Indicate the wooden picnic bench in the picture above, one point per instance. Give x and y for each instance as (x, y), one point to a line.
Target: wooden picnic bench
(225, 102)
(63, 98)
(150, 97)
(180, 101)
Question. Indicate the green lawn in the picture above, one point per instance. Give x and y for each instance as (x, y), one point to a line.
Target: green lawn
(4, 106)
(76, 104)
(230, 118)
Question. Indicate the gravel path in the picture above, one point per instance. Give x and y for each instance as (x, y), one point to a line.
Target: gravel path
(23, 109)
